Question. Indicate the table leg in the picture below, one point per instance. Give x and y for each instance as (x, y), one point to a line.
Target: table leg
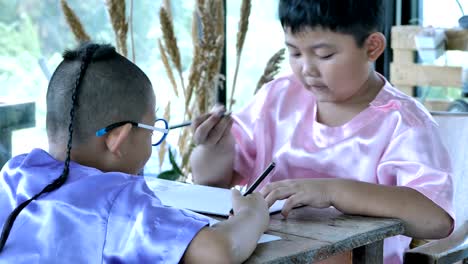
(371, 253)
(5, 146)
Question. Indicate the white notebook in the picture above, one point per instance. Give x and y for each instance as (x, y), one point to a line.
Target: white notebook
(197, 198)
(201, 199)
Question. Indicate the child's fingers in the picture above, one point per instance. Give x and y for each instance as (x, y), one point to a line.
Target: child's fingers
(204, 129)
(227, 129)
(218, 108)
(270, 187)
(235, 198)
(219, 131)
(235, 194)
(200, 119)
(291, 202)
(278, 194)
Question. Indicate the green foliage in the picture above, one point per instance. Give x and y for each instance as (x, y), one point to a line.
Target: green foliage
(174, 173)
(22, 37)
(19, 54)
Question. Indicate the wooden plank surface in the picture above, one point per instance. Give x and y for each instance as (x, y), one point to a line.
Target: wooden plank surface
(425, 75)
(403, 38)
(315, 234)
(408, 90)
(402, 56)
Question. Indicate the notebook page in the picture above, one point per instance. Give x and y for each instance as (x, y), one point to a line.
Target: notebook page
(197, 198)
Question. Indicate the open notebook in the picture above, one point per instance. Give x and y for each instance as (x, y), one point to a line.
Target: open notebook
(197, 198)
(201, 199)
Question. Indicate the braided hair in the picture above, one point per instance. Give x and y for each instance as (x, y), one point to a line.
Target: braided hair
(85, 54)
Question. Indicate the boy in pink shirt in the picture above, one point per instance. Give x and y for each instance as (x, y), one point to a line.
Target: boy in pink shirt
(340, 134)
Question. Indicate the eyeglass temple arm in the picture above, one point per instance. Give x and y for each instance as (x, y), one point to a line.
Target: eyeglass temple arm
(153, 128)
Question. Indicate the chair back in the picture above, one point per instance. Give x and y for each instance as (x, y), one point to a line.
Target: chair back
(453, 128)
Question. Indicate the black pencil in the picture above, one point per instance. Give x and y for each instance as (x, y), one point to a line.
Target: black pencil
(258, 181)
(188, 123)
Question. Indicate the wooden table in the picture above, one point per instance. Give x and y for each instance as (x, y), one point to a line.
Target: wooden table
(310, 235)
(13, 116)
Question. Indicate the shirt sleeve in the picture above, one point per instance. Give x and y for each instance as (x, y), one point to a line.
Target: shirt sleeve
(244, 130)
(141, 230)
(417, 158)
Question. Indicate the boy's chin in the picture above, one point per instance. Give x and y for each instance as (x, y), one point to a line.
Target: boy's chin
(322, 97)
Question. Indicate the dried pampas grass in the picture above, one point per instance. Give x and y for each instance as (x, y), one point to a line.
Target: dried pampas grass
(74, 23)
(241, 34)
(208, 51)
(168, 68)
(116, 9)
(204, 78)
(272, 68)
(243, 24)
(170, 42)
(167, 6)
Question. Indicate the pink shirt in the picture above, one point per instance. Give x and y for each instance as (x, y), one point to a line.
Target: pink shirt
(392, 142)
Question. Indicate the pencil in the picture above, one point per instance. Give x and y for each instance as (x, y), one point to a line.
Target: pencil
(188, 123)
(258, 181)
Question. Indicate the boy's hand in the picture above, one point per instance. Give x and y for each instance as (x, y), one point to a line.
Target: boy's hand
(312, 192)
(253, 204)
(213, 129)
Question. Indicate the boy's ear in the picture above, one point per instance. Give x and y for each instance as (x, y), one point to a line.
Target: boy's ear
(375, 45)
(116, 137)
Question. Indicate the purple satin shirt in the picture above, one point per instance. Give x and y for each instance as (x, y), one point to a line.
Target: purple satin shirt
(392, 142)
(94, 217)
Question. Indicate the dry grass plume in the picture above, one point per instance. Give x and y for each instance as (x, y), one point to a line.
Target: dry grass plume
(272, 68)
(116, 9)
(168, 68)
(208, 50)
(170, 42)
(204, 78)
(167, 6)
(74, 23)
(241, 34)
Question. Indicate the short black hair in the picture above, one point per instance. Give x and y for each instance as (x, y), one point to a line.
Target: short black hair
(358, 18)
(113, 89)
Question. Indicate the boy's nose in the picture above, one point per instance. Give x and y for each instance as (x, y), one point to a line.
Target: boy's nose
(309, 68)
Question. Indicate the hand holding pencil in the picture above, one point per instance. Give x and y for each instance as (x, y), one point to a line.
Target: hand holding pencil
(213, 128)
(189, 123)
(257, 181)
(211, 159)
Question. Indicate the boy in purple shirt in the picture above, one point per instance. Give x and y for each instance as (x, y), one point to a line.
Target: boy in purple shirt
(100, 126)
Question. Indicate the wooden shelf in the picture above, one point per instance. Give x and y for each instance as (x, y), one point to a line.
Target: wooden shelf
(405, 73)
(403, 38)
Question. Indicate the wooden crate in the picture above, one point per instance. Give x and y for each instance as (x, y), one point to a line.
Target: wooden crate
(405, 74)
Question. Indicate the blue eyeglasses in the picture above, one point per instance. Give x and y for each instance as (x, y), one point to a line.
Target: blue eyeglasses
(159, 130)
